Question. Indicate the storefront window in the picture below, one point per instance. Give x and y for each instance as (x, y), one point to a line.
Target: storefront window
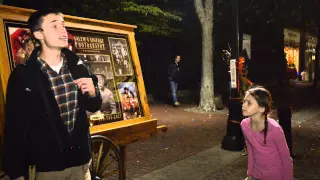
(292, 56)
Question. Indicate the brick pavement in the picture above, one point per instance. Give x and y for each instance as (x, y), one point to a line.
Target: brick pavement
(188, 134)
(215, 163)
(191, 134)
(306, 148)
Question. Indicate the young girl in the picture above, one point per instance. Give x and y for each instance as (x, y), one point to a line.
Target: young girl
(268, 153)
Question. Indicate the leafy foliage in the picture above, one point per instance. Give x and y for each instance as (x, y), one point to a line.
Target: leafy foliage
(151, 10)
(148, 18)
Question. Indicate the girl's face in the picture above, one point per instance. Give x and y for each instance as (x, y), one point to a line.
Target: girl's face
(250, 107)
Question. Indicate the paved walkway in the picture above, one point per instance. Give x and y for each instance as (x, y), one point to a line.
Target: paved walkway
(216, 163)
(191, 147)
(188, 134)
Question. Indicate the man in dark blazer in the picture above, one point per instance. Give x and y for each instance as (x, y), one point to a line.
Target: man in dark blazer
(53, 91)
(174, 77)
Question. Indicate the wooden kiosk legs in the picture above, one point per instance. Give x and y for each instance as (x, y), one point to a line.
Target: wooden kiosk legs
(123, 153)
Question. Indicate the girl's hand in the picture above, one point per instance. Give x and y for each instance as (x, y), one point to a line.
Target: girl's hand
(249, 178)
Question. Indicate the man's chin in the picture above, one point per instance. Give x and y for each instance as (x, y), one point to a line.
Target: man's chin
(63, 45)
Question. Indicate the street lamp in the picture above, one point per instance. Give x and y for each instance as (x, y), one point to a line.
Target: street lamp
(234, 140)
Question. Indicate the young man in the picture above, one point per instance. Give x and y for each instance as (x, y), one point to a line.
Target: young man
(47, 98)
(174, 76)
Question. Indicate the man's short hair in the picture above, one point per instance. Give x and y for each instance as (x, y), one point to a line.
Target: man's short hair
(36, 19)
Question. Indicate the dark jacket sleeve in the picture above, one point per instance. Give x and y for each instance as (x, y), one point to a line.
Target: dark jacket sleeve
(170, 72)
(93, 104)
(16, 122)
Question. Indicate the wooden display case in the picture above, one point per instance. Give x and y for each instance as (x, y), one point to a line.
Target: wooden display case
(108, 49)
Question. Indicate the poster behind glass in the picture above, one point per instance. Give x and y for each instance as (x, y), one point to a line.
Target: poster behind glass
(20, 43)
(106, 55)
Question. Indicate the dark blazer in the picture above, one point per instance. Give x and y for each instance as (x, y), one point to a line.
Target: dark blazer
(174, 72)
(34, 131)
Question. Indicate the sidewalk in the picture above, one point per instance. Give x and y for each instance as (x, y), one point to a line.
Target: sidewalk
(188, 134)
(191, 149)
(215, 163)
(306, 148)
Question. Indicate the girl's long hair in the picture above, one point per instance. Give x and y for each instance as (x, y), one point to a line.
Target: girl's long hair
(264, 100)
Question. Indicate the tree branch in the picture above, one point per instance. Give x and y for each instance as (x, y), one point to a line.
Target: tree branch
(209, 9)
(200, 10)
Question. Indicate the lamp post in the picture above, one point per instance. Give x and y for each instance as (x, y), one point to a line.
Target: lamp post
(234, 140)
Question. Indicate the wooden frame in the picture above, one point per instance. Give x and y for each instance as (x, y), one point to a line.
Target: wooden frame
(121, 132)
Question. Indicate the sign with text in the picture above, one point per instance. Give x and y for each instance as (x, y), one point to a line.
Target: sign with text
(233, 73)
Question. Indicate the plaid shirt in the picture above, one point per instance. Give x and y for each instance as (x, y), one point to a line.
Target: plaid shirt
(65, 92)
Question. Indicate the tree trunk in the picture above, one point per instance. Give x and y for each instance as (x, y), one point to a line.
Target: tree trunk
(207, 86)
(205, 14)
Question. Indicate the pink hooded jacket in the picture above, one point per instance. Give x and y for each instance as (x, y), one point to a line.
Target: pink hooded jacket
(270, 161)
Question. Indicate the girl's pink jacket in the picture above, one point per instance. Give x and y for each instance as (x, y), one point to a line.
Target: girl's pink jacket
(269, 161)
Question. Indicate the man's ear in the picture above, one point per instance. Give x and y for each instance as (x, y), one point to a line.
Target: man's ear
(38, 35)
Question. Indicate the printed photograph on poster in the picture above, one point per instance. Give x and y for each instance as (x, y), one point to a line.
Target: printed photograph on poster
(120, 56)
(103, 71)
(22, 44)
(129, 100)
(72, 43)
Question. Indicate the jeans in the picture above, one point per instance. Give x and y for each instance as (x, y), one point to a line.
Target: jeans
(173, 87)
